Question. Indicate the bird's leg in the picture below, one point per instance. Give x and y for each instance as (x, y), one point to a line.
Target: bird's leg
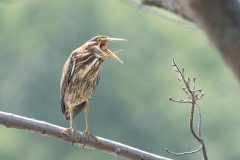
(86, 133)
(72, 131)
(86, 117)
(71, 128)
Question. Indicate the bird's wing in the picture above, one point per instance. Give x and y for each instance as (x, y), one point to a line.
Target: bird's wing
(67, 73)
(98, 78)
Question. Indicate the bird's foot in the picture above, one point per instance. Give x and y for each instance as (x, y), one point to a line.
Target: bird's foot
(73, 133)
(85, 137)
(67, 131)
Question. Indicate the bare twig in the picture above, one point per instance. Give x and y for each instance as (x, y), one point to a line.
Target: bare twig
(184, 153)
(43, 128)
(193, 95)
(179, 101)
(199, 120)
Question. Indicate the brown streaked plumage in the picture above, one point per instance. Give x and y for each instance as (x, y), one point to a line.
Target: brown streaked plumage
(80, 76)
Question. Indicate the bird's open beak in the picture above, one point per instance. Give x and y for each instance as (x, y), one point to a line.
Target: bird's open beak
(113, 54)
(109, 39)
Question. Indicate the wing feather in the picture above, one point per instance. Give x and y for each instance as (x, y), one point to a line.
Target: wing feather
(76, 60)
(68, 70)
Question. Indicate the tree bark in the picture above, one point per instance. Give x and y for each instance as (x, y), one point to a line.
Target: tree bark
(104, 145)
(219, 19)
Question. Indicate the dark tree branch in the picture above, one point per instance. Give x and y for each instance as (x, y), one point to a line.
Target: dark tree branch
(117, 149)
(220, 19)
(174, 6)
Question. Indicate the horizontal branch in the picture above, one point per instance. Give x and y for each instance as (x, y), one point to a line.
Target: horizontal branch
(43, 128)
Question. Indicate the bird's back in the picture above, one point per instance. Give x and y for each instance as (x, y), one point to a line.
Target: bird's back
(79, 79)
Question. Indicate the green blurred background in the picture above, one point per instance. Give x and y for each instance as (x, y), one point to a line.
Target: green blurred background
(131, 103)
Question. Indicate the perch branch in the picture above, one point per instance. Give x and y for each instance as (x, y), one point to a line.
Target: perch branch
(43, 128)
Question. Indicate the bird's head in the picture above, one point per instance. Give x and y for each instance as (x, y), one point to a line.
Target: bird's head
(100, 44)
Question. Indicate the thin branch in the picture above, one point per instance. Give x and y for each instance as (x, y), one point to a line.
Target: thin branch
(199, 121)
(184, 153)
(184, 89)
(43, 128)
(179, 101)
(193, 97)
(195, 135)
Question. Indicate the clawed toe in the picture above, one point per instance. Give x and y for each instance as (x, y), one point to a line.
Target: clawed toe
(77, 136)
(85, 137)
(72, 132)
(67, 131)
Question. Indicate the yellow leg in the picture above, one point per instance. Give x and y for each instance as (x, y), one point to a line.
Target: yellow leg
(85, 110)
(71, 119)
(87, 133)
(72, 130)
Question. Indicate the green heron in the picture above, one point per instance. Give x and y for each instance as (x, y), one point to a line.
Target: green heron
(80, 77)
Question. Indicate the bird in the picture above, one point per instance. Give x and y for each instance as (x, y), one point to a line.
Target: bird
(80, 76)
